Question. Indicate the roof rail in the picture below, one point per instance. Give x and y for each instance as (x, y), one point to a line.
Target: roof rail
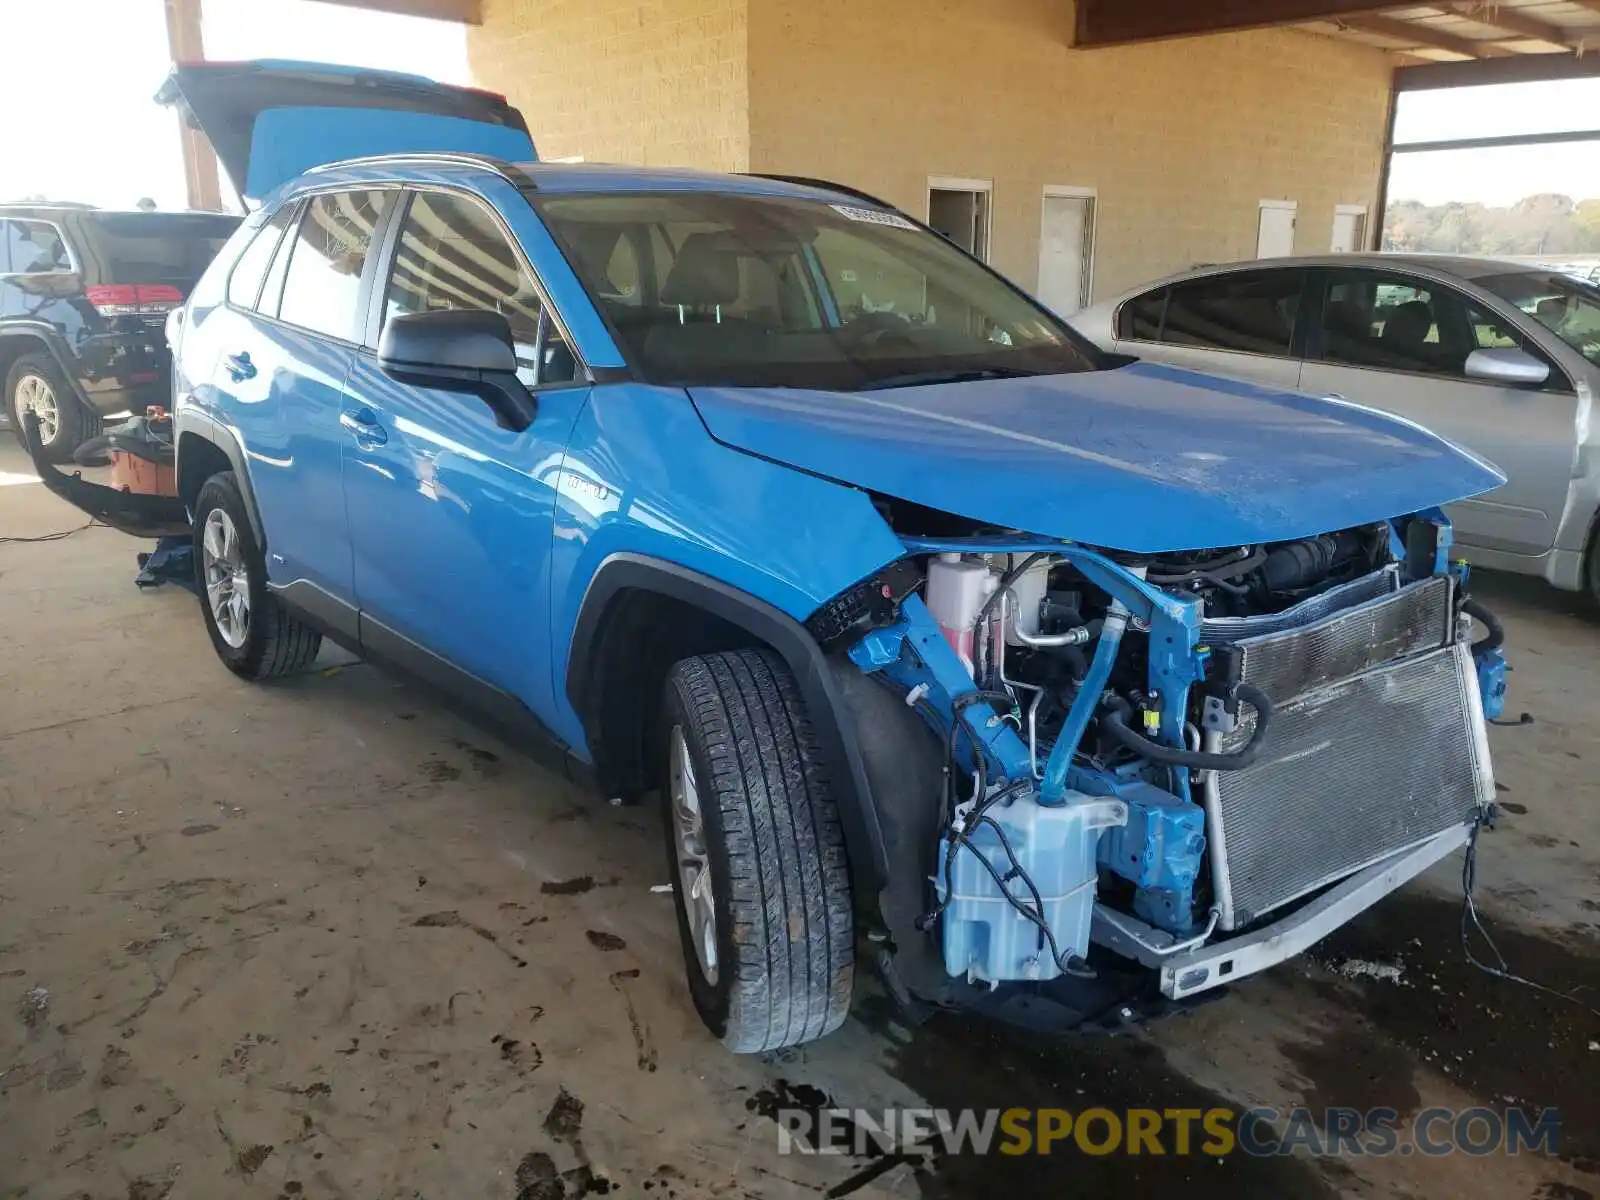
(509, 171)
(826, 185)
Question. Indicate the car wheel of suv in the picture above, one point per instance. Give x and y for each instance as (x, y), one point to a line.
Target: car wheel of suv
(36, 383)
(1591, 572)
(756, 854)
(253, 633)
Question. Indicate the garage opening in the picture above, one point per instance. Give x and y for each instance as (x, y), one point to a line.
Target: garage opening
(959, 209)
(1508, 170)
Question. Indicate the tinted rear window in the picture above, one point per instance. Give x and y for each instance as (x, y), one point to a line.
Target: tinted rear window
(1251, 311)
(1141, 317)
(155, 247)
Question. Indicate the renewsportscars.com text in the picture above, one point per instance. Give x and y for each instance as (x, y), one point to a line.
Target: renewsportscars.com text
(1215, 1132)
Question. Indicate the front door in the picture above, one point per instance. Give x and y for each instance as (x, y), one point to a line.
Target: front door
(451, 516)
(1400, 343)
(1066, 240)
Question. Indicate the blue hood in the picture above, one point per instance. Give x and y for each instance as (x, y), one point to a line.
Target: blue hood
(1145, 458)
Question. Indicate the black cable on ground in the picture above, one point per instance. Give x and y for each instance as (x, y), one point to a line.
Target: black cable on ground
(1471, 920)
(51, 537)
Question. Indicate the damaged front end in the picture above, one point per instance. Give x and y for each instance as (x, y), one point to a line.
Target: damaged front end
(1202, 762)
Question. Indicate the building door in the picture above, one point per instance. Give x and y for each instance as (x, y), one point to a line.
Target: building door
(1349, 228)
(959, 210)
(1066, 249)
(1275, 237)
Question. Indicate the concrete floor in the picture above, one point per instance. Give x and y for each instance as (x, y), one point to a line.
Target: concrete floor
(323, 939)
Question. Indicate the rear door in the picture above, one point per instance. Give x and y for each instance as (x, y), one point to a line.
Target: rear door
(282, 346)
(1240, 324)
(273, 120)
(451, 515)
(1399, 342)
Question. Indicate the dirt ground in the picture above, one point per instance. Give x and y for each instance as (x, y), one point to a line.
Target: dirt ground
(325, 939)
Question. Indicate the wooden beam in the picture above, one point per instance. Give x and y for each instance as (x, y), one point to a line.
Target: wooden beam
(1119, 22)
(1422, 35)
(199, 159)
(467, 12)
(1513, 20)
(1514, 68)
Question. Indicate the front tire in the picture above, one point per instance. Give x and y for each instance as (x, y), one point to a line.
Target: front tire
(35, 382)
(756, 853)
(253, 633)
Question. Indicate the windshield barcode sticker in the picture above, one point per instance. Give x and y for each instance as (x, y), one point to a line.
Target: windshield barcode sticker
(872, 216)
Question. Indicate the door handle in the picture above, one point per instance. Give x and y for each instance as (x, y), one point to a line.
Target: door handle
(239, 366)
(364, 424)
(1333, 396)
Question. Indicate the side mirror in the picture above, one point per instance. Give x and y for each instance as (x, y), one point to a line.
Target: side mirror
(1515, 368)
(465, 350)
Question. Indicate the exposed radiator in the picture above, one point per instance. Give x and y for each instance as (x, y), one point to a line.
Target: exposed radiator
(1377, 744)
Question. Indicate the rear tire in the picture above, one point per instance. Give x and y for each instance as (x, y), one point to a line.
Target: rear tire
(778, 964)
(1591, 573)
(253, 633)
(35, 381)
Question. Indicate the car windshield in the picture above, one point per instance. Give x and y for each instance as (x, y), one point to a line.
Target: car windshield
(1567, 307)
(705, 288)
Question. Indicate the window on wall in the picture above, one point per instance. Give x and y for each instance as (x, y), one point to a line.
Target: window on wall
(323, 286)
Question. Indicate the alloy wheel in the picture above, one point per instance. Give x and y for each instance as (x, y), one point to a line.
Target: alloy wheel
(694, 859)
(37, 396)
(227, 579)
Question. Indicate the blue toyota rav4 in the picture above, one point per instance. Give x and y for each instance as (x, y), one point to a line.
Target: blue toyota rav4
(952, 646)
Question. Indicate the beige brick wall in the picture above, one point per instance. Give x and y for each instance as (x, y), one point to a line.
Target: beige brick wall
(1181, 139)
(661, 82)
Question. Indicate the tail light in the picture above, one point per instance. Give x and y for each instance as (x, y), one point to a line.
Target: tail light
(132, 299)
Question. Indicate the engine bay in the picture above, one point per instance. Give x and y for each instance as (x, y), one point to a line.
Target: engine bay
(1123, 736)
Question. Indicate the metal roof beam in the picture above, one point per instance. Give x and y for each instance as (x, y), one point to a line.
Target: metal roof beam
(467, 12)
(1517, 22)
(1119, 22)
(1422, 35)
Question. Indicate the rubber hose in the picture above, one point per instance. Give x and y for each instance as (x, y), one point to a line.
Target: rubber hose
(1115, 726)
(1497, 632)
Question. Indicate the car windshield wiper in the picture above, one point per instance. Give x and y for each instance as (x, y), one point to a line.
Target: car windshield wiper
(928, 378)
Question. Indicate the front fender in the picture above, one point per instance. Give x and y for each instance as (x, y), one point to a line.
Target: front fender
(641, 476)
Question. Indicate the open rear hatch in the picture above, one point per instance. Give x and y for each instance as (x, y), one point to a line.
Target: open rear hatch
(271, 120)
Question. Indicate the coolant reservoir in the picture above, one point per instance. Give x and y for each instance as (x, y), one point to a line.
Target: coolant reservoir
(984, 937)
(957, 590)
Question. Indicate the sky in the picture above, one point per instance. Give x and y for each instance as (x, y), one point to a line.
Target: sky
(1498, 177)
(102, 140)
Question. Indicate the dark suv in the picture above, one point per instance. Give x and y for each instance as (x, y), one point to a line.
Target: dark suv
(84, 294)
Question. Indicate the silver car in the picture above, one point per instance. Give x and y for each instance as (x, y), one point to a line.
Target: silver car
(1497, 356)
